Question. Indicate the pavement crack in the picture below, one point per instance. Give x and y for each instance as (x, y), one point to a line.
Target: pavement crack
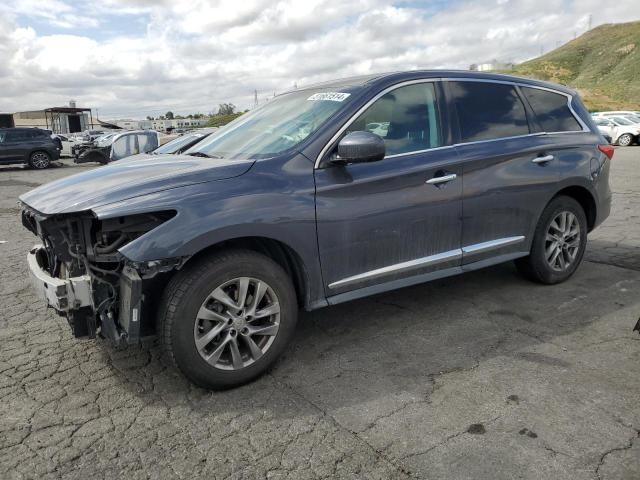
(379, 454)
(626, 446)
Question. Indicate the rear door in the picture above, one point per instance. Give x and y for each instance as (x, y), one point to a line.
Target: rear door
(511, 167)
(384, 221)
(14, 146)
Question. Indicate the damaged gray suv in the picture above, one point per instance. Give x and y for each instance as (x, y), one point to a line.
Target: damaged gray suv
(323, 195)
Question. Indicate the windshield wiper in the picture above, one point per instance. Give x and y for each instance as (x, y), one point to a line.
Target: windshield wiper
(202, 154)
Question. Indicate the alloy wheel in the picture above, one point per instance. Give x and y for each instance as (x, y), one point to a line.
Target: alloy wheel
(562, 241)
(40, 160)
(624, 140)
(237, 323)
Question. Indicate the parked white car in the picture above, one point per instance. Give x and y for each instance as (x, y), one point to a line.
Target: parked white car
(67, 143)
(631, 115)
(616, 113)
(622, 131)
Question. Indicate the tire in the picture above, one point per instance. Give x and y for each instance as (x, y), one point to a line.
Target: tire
(544, 263)
(190, 311)
(39, 159)
(625, 140)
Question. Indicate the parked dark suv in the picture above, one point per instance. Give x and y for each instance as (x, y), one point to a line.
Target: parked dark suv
(31, 146)
(300, 204)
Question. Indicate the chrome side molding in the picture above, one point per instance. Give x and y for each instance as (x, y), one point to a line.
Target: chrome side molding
(492, 244)
(399, 267)
(428, 261)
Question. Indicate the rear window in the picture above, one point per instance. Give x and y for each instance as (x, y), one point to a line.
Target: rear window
(552, 110)
(488, 111)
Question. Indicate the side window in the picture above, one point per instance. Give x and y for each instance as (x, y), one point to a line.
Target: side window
(551, 110)
(488, 111)
(16, 136)
(146, 142)
(406, 118)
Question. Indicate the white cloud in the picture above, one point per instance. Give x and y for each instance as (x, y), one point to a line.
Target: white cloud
(133, 58)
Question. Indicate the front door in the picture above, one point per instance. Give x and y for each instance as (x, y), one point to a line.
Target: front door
(382, 224)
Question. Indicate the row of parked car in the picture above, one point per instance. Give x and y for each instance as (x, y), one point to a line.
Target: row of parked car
(39, 147)
(621, 127)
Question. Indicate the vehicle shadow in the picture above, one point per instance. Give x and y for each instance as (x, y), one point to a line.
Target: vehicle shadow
(622, 253)
(22, 167)
(395, 344)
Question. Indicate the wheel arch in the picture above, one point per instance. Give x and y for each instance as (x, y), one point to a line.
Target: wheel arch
(39, 149)
(586, 200)
(634, 138)
(278, 251)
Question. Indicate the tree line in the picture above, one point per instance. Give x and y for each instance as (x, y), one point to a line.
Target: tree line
(225, 113)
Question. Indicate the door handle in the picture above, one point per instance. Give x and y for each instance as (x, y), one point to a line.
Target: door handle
(442, 179)
(545, 159)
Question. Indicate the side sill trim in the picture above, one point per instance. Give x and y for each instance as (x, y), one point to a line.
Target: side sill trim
(430, 260)
(421, 278)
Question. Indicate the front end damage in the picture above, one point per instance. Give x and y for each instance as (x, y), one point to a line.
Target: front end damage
(78, 271)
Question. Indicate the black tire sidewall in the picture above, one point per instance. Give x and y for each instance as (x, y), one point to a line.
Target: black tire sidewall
(31, 160)
(541, 269)
(182, 341)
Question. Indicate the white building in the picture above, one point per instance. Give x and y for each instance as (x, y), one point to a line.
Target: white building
(56, 119)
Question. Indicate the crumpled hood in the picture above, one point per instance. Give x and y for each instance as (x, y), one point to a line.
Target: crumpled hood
(128, 178)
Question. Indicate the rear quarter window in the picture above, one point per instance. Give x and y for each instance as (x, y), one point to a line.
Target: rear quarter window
(488, 111)
(551, 110)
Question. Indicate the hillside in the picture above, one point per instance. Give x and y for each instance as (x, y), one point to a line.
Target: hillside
(603, 65)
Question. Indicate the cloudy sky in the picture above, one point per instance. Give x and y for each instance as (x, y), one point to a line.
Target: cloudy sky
(132, 58)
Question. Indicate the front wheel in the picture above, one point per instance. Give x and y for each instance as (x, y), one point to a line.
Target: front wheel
(625, 140)
(227, 318)
(39, 160)
(558, 244)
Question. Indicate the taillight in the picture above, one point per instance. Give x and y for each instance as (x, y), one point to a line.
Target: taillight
(607, 150)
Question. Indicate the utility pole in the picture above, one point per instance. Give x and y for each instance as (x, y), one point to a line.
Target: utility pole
(590, 21)
(255, 98)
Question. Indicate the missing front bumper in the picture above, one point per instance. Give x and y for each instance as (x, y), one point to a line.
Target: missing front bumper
(73, 298)
(63, 295)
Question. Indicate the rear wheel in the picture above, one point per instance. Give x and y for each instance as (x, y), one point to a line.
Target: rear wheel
(226, 319)
(559, 242)
(40, 160)
(625, 140)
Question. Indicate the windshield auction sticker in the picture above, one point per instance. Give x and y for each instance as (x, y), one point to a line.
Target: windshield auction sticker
(331, 96)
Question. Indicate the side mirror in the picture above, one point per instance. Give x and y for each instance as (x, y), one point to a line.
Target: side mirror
(360, 147)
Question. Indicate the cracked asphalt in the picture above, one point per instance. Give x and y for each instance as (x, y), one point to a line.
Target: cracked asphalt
(481, 376)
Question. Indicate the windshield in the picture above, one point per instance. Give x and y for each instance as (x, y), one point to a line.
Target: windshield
(105, 140)
(178, 143)
(278, 125)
